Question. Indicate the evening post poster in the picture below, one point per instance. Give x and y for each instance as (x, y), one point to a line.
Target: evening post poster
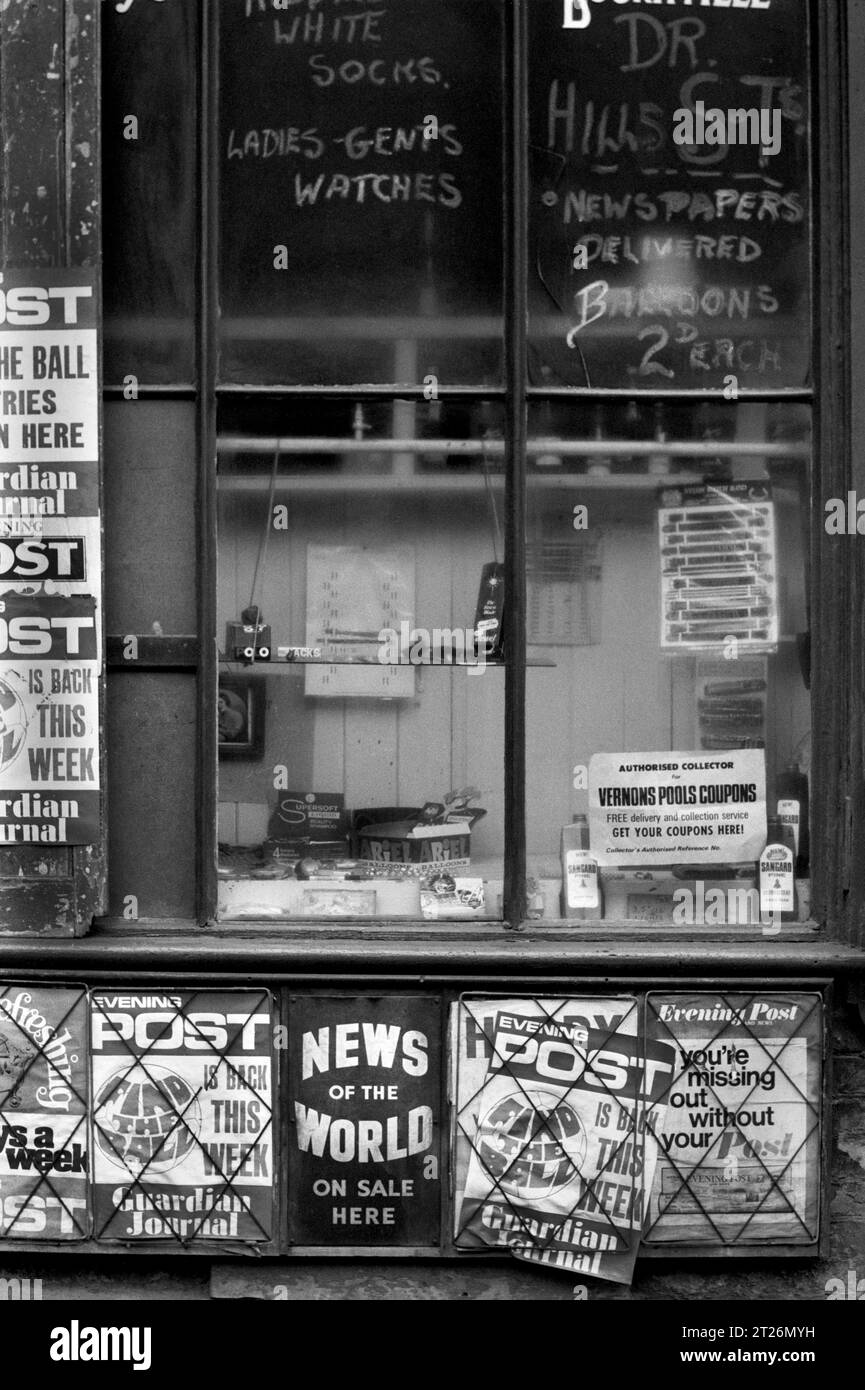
(183, 1132)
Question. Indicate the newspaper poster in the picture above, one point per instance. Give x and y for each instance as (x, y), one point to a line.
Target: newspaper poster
(364, 1117)
(683, 808)
(32, 495)
(49, 715)
(50, 559)
(49, 368)
(43, 1114)
(549, 1099)
(183, 1133)
(57, 555)
(739, 1147)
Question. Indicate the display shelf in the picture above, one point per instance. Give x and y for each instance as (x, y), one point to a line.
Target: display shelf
(424, 485)
(446, 485)
(486, 458)
(291, 446)
(284, 667)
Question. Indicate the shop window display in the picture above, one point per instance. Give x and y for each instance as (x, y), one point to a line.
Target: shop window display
(365, 542)
(667, 561)
(360, 566)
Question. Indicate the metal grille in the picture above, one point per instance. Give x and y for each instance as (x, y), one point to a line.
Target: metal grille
(44, 1187)
(745, 1187)
(174, 1073)
(548, 1130)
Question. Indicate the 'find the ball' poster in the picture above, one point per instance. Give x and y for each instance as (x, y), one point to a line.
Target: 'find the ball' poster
(550, 1098)
(183, 1133)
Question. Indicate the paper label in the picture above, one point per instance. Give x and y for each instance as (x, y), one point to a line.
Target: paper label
(581, 881)
(789, 814)
(659, 808)
(777, 886)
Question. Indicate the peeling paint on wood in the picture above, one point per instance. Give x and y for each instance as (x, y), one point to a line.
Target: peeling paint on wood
(50, 216)
(25, 862)
(38, 909)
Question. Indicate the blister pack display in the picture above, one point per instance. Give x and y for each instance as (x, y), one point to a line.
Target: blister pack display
(718, 568)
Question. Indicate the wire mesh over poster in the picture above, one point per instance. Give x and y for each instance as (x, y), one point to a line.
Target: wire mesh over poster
(183, 1115)
(739, 1125)
(549, 1159)
(580, 1126)
(44, 1191)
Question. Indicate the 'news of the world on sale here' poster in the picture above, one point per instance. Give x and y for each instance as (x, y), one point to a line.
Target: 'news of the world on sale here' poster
(739, 1143)
(364, 1105)
(549, 1101)
(182, 1115)
(43, 1113)
(50, 559)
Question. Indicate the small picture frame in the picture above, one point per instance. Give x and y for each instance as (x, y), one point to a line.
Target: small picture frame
(240, 717)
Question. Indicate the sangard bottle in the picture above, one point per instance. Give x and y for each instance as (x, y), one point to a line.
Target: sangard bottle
(581, 885)
(777, 873)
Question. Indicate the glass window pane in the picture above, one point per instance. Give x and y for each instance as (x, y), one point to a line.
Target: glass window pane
(667, 564)
(361, 753)
(670, 197)
(368, 147)
(150, 445)
(149, 134)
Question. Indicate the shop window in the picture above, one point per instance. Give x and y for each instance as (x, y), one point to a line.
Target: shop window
(658, 515)
(361, 192)
(361, 695)
(667, 557)
(670, 199)
(150, 161)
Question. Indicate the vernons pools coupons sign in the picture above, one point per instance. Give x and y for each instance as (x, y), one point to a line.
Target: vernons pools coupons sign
(687, 808)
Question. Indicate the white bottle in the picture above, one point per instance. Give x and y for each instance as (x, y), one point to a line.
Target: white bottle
(582, 899)
(777, 873)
